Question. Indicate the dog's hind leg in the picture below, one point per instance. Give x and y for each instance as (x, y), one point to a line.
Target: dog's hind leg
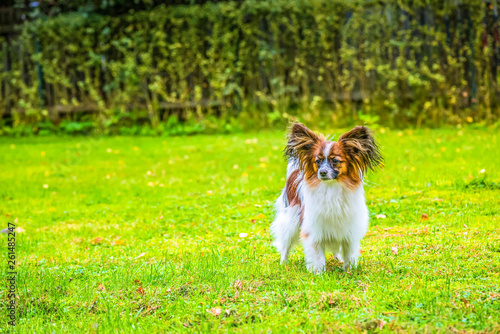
(285, 229)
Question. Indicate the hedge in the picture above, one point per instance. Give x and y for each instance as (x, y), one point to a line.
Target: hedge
(399, 62)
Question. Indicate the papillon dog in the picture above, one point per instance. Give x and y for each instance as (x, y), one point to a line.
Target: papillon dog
(323, 202)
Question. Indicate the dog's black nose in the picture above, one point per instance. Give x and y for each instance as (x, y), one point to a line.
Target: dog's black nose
(323, 174)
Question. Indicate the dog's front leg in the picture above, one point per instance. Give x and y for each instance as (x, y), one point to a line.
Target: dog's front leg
(350, 253)
(315, 254)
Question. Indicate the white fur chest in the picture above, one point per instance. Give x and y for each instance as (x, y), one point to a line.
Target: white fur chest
(331, 211)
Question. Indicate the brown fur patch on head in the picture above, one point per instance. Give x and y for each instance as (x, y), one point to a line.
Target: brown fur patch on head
(303, 145)
(361, 154)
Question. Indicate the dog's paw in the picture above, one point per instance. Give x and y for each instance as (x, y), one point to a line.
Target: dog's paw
(350, 264)
(315, 268)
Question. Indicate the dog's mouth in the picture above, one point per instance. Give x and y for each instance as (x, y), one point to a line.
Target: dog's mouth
(328, 178)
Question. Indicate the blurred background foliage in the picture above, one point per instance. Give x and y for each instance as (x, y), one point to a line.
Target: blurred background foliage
(143, 67)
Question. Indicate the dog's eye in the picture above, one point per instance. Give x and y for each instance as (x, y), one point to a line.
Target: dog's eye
(335, 162)
(318, 162)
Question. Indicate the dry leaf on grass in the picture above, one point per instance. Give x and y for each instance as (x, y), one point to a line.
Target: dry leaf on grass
(215, 311)
(117, 242)
(96, 241)
(140, 255)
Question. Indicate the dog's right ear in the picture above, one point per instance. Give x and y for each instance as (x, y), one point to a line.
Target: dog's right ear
(301, 142)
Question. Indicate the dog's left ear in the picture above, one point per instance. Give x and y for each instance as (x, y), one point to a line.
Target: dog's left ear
(361, 150)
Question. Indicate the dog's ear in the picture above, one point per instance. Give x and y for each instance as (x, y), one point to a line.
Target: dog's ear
(360, 149)
(301, 142)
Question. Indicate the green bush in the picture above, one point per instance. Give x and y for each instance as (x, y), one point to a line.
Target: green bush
(257, 63)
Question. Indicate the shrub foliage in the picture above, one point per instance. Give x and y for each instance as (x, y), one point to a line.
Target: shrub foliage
(257, 62)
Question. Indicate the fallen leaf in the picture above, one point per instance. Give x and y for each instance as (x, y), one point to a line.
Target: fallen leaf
(19, 229)
(425, 216)
(438, 199)
(140, 255)
(141, 291)
(215, 311)
(394, 250)
(117, 242)
(97, 240)
(494, 296)
(238, 285)
(381, 324)
(101, 287)
(228, 312)
(381, 216)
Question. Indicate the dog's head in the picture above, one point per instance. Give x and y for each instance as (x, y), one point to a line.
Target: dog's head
(321, 160)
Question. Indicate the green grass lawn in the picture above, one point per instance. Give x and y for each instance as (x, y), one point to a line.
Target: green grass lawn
(163, 234)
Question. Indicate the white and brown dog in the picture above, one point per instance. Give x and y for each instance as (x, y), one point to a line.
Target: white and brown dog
(323, 202)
